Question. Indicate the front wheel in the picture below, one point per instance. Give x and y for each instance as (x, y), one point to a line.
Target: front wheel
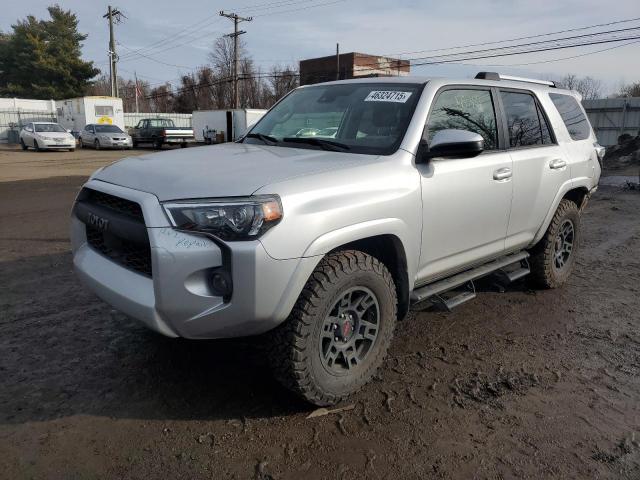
(553, 258)
(339, 330)
(96, 144)
(36, 146)
(23, 145)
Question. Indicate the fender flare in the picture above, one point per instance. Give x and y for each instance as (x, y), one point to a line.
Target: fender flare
(572, 184)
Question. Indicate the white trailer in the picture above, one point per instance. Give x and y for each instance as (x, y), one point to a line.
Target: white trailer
(233, 123)
(75, 113)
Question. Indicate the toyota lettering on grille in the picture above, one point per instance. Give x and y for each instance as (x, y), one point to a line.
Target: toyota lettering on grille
(97, 222)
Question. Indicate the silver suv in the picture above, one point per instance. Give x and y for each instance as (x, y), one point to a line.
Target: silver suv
(344, 205)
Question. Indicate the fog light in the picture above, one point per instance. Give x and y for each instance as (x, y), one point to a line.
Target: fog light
(221, 284)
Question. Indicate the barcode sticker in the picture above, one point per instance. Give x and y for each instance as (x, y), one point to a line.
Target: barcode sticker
(388, 96)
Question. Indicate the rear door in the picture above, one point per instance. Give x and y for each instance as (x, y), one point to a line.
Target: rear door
(540, 166)
(465, 201)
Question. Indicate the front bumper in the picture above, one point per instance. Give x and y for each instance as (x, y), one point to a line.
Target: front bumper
(52, 144)
(111, 143)
(177, 300)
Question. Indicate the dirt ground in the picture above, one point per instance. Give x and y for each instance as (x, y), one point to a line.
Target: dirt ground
(520, 384)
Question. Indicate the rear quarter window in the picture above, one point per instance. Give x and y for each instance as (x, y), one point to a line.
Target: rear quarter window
(572, 116)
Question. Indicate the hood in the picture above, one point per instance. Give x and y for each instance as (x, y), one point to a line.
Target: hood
(54, 134)
(227, 170)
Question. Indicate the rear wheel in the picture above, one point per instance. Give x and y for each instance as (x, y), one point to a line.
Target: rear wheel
(553, 258)
(157, 144)
(183, 145)
(339, 330)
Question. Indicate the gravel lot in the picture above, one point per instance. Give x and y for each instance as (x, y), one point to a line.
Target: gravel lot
(520, 384)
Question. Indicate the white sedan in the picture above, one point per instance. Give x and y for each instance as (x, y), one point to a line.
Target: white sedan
(46, 135)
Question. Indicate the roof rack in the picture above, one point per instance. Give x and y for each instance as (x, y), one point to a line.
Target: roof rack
(499, 76)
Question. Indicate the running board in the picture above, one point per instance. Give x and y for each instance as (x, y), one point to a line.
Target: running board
(441, 286)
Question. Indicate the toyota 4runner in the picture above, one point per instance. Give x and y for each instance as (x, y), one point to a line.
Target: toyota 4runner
(344, 205)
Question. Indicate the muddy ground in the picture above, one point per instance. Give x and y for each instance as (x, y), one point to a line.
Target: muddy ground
(520, 384)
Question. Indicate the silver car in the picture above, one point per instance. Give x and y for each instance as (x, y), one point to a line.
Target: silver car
(104, 136)
(323, 242)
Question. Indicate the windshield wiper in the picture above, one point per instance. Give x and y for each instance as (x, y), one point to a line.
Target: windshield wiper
(320, 142)
(266, 139)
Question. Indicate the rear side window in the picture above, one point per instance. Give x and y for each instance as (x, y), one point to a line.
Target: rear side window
(525, 123)
(572, 116)
(465, 109)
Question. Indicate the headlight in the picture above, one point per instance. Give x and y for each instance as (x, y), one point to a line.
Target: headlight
(239, 218)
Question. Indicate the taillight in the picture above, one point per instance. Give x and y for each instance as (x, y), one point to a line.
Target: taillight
(163, 133)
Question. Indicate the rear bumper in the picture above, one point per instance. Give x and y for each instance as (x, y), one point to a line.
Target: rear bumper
(179, 139)
(178, 300)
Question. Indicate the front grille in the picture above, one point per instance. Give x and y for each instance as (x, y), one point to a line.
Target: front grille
(127, 254)
(120, 205)
(132, 255)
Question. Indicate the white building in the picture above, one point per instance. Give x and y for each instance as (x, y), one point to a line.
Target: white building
(75, 113)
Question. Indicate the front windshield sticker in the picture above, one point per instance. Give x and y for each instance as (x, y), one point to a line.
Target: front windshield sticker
(388, 96)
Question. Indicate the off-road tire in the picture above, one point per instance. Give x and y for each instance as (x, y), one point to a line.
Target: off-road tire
(543, 273)
(294, 346)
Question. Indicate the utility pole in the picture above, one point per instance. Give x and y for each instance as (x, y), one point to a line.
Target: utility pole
(111, 15)
(236, 33)
(135, 75)
(337, 61)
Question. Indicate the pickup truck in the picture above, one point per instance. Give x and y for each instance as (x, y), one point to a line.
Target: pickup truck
(347, 204)
(160, 131)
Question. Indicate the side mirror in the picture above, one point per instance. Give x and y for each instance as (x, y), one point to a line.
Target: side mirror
(453, 143)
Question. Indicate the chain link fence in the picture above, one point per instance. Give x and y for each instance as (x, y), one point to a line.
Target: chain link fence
(12, 121)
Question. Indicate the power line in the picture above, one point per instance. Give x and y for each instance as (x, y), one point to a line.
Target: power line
(616, 22)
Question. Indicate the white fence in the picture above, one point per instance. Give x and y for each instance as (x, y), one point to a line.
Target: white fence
(180, 119)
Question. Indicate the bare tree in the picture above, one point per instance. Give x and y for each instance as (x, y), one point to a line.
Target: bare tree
(590, 88)
(281, 81)
(631, 90)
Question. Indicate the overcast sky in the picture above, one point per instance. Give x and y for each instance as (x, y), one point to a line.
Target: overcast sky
(285, 31)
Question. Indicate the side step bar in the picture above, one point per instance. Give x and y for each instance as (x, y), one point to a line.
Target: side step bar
(441, 286)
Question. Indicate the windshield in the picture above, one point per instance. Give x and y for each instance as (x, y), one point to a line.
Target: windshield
(48, 127)
(161, 122)
(369, 118)
(108, 129)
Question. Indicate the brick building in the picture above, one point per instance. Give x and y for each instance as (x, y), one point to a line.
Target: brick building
(352, 65)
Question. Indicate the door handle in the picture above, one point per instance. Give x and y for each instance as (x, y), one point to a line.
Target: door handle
(502, 174)
(557, 163)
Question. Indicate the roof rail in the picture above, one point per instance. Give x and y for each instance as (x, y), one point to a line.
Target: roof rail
(499, 76)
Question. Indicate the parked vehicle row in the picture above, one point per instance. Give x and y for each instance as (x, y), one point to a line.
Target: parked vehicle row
(153, 131)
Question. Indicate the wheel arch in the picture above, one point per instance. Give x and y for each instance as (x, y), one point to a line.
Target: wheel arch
(577, 192)
(390, 251)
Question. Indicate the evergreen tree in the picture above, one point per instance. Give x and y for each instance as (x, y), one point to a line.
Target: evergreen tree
(41, 58)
